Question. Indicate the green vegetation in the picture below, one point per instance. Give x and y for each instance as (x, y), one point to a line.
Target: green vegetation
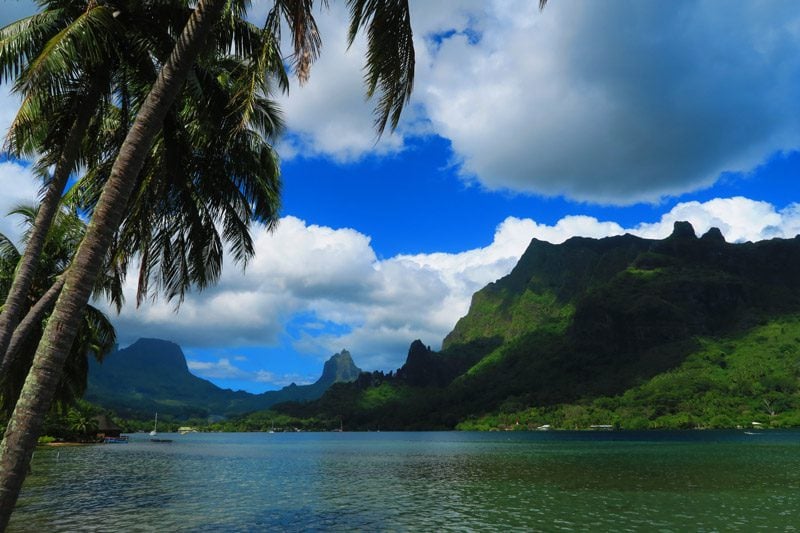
(622, 331)
(728, 382)
(151, 376)
(50, 55)
(96, 335)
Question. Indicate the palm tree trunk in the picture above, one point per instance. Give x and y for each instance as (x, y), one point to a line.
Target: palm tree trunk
(34, 401)
(35, 316)
(26, 269)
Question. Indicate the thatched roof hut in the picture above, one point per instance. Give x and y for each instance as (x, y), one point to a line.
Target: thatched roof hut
(106, 427)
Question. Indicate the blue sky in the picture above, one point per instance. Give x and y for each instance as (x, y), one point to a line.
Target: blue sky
(586, 119)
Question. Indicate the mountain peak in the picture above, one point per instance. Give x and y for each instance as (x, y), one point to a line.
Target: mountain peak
(713, 235)
(151, 375)
(339, 367)
(164, 354)
(683, 230)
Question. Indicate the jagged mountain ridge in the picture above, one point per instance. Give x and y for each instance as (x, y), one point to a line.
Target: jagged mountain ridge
(152, 375)
(582, 319)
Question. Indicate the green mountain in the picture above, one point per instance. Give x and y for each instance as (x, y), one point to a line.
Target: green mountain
(602, 326)
(151, 376)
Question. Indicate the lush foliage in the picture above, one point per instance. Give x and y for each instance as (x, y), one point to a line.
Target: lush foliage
(96, 335)
(623, 331)
(728, 382)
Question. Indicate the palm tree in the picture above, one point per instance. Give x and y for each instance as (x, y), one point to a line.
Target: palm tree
(210, 169)
(96, 335)
(81, 420)
(25, 424)
(71, 61)
(157, 223)
(41, 52)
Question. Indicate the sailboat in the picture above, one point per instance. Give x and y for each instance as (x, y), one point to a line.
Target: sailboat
(155, 432)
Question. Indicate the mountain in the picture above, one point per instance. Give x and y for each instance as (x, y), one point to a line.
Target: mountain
(151, 375)
(594, 320)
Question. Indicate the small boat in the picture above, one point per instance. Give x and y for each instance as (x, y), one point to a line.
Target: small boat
(122, 439)
(155, 428)
(160, 440)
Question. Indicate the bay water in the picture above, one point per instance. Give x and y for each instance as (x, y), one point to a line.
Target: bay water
(426, 481)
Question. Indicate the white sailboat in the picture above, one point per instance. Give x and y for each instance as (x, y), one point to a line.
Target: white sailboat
(155, 427)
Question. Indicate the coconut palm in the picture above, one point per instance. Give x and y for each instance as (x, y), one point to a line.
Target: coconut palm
(96, 335)
(207, 177)
(81, 420)
(25, 424)
(247, 119)
(60, 59)
(70, 61)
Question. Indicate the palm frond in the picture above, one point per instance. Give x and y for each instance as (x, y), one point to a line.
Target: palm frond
(389, 68)
(306, 41)
(88, 38)
(8, 250)
(21, 41)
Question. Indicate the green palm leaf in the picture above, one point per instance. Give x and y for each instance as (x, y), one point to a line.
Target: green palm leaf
(389, 68)
(86, 39)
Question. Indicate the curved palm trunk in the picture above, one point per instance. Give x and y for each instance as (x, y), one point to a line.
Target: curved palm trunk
(34, 401)
(32, 319)
(21, 285)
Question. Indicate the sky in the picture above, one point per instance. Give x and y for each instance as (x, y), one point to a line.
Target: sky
(584, 119)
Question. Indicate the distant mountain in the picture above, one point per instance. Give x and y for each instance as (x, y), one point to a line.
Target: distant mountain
(596, 326)
(151, 376)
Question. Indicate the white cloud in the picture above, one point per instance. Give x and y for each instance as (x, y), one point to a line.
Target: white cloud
(18, 186)
(379, 305)
(613, 103)
(335, 276)
(282, 380)
(329, 115)
(616, 102)
(606, 102)
(740, 219)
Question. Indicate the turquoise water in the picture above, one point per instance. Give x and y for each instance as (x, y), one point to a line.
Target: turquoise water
(549, 481)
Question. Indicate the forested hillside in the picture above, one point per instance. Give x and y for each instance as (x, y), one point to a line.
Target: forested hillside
(621, 330)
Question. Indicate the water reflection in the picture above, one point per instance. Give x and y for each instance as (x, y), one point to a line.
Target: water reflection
(417, 481)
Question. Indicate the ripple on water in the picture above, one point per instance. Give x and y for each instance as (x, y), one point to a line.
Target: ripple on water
(419, 481)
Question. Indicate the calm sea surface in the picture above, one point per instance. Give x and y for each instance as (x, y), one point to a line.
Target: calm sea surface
(548, 481)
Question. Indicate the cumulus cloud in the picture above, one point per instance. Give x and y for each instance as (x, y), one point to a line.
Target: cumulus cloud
(611, 103)
(18, 186)
(379, 305)
(219, 369)
(617, 102)
(329, 115)
(334, 276)
(740, 219)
